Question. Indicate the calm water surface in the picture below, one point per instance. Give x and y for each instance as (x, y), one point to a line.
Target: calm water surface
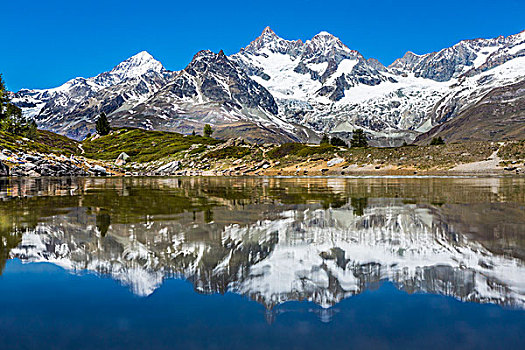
(290, 263)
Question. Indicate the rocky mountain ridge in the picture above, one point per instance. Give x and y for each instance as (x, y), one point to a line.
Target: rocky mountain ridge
(72, 108)
(339, 90)
(287, 90)
(212, 89)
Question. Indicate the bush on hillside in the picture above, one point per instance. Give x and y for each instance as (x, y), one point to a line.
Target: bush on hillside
(336, 141)
(437, 141)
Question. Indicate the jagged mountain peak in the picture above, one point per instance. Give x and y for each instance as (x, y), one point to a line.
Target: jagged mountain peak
(517, 37)
(141, 56)
(376, 64)
(137, 65)
(208, 54)
(408, 59)
(206, 59)
(272, 42)
(203, 53)
(326, 39)
(268, 31)
(325, 46)
(323, 34)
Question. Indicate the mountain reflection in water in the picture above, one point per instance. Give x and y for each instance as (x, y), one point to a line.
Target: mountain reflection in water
(276, 240)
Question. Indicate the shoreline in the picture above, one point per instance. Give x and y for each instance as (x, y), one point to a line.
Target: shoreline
(283, 176)
(198, 156)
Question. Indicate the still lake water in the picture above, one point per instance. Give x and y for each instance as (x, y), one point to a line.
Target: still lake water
(262, 263)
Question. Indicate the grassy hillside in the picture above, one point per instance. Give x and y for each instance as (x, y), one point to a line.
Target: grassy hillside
(421, 157)
(199, 153)
(141, 145)
(45, 142)
(301, 150)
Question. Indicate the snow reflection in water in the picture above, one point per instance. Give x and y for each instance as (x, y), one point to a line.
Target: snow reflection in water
(277, 240)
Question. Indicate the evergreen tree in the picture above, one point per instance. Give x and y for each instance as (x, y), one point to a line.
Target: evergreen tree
(358, 139)
(193, 133)
(31, 129)
(325, 140)
(11, 118)
(208, 130)
(4, 98)
(336, 141)
(103, 127)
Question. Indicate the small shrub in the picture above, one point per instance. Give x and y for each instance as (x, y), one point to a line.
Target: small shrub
(229, 152)
(285, 149)
(310, 151)
(437, 141)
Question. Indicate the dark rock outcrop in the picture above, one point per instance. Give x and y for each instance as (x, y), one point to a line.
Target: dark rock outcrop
(39, 166)
(4, 169)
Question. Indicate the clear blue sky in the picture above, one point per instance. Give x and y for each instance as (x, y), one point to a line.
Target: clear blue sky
(45, 43)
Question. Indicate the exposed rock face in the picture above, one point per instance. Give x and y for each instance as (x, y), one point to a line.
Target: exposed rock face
(39, 166)
(216, 69)
(287, 90)
(168, 169)
(214, 90)
(499, 115)
(122, 159)
(98, 170)
(72, 108)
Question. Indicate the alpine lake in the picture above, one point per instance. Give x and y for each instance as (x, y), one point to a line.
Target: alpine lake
(262, 263)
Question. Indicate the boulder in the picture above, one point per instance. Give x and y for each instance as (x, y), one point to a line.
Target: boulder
(98, 170)
(335, 161)
(30, 158)
(168, 169)
(122, 159)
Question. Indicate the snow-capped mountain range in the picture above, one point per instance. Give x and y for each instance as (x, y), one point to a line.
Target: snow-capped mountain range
(72, 108)
(286, 90)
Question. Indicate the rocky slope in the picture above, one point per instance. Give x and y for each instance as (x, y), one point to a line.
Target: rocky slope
(280, 90)
(212, 89)
(499, 115)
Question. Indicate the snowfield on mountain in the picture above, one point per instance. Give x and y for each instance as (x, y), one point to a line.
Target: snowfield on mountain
(278, 90)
